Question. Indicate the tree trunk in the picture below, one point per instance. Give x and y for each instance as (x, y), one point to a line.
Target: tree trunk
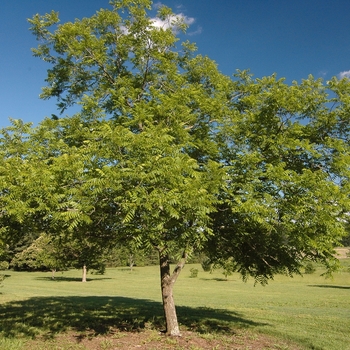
(167, 282)
(131, 261)
(84, 273)
(53, 273)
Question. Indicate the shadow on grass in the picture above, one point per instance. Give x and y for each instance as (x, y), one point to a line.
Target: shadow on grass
(217, 279)
(70, 279)
(328, 286)
(91, 316)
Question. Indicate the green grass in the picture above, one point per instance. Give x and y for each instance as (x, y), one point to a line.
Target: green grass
(309, 310)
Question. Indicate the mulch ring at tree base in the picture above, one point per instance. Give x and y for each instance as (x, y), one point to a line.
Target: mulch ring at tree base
(153, 340)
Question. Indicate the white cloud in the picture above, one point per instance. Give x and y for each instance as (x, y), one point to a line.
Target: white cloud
(187, 20)
(124, 30)
(171, 21)
(345, 74)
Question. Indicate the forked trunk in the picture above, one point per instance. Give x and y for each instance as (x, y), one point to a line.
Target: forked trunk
(167, 283)
(84, 273)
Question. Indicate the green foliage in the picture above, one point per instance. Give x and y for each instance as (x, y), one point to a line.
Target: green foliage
(309, 268)
(194, 272)
(151, 183)
(29, 257)
(286, 195)
(122, 255)
(3, 266)
(346, 240)
(206, 265)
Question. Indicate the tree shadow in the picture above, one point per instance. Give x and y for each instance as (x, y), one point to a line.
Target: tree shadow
(91, 316)
(328, 286)
(70, 279)
(217, 279)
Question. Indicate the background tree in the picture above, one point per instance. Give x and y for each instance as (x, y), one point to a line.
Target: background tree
(48, 252)
(3, 263)
(346, 240)
(84, 255)
(41, 255)
(124, 255)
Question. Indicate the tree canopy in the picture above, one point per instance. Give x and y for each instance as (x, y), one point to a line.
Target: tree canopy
(168, 153)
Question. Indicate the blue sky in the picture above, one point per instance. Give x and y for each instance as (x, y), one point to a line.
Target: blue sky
(291, 38)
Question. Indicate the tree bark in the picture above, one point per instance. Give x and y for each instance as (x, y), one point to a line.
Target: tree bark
(167, 283)
(131, 261)
(84, 273)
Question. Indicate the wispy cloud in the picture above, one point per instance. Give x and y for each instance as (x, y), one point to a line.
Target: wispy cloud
(156, 5)
(196, 32)
(345, 74)
(322, 73)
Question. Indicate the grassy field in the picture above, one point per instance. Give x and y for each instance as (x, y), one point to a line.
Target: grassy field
(311, 311)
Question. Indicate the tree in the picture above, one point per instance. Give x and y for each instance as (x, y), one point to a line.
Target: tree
(128, 70)
(124, 255)
(84, 255)
(168, 153)
(48, 252)
(43, 254)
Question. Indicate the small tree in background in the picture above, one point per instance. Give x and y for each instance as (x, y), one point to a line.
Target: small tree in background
(309, 268)
(43, 254)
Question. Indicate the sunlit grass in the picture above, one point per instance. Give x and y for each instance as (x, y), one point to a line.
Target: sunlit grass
(309, 310)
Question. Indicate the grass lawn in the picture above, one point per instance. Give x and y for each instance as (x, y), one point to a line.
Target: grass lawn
(309, 311)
